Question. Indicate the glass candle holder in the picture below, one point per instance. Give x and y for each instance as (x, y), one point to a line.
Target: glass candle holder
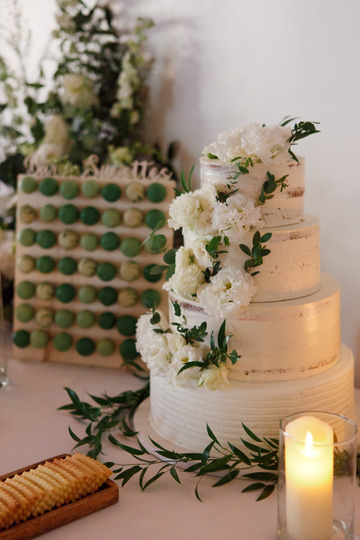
(317, 471)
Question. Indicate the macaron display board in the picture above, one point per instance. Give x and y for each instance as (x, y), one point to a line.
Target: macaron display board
(85, 249)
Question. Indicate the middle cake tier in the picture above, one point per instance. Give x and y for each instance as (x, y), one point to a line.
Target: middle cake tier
(291, 270)
(277, 341)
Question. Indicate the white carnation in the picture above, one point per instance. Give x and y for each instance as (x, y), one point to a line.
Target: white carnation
(262, 143)
(145, 329)
(184, 211)
(188, 275)
(175, 342)
(236, 216)
(228, 292)
(214, 377)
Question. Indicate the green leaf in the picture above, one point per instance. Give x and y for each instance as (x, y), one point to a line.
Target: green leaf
(264, 476)
(211, 156)
(253, 487)
(266, 492)
(245, 249)
(211, 434)
(227, 478)
(125, 476)
(174, 474)
(266, 237)
(238, 453)
(251, 433)
(222, 335)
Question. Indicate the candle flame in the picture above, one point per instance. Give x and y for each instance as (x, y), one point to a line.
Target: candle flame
(308, 441)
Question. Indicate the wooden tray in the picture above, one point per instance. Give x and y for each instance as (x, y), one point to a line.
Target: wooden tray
(106, 495)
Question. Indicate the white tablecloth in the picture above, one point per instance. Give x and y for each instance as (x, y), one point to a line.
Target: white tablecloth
(32, 429)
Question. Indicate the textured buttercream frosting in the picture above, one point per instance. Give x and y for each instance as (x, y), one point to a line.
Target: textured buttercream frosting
(180, 414)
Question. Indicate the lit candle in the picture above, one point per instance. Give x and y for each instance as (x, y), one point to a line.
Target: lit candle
(309, 465)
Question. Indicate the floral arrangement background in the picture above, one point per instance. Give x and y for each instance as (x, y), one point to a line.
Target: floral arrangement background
(89, 97)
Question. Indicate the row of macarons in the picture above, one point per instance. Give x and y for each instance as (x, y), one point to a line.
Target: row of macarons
(106, 271)
(69, 239)
(87, 294)
(64, 318)
(84, 346)
(90, 215)
(70, 189)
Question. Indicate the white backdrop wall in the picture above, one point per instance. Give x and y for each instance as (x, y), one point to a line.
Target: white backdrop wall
(219, 64)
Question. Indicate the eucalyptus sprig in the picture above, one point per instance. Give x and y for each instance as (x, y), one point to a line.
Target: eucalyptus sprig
(257, 252)
(196, 334)
(218, 353)
(270, 185)
(299, 131)
(107, 414)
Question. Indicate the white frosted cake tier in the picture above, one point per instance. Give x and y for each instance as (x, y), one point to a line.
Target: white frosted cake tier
(284, 208)
(180, 414)
(291, 270)
(277, 341)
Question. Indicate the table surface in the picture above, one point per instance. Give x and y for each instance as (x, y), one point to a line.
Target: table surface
(32, 429)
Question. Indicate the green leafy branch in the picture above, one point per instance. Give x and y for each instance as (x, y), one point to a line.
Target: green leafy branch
(185, 183)
(257, 252)
(196, 334)
(168, 267)
(212, 247)
(107, 413)
(230, 461)
(270, 185)
(218, 353)
(299, 131)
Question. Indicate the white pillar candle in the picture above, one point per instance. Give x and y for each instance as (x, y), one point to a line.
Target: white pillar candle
(309, 465)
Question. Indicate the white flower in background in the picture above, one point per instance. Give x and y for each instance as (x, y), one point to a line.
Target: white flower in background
(65, 22)
(188, 377)
(120, 156)
(7, 254)
(201, 254)
(262, 143)
(214, 377)
(56, 141)
(7, 199)
(236, 216)
(78, 91)
(188, 275)
(228, 292)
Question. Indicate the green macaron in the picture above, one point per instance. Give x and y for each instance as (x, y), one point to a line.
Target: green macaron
(150, 298)
(128, 350)
(156, 192)
(106, 271)
(155, 219)
(106, 320)
(85, 346)
(45, 264)
(67, 266)
(63, 342)
(24, 312)
(25, 264)
(135, 191)
(27, 237)
(149, 275)
(27, 214)
(109, 241)
(130, 246)
(87, 267)
(133, 217)
(68, 239)
(111, 192)
(89, 242)
(129, 271)
(45, 291)
(21, 338)
(25, 290)
(65, 293)
(128, 297)
(46, 239)
(108, 296)
(87, 294)
(126, 325)
(48, 187)
(44, 317)
(156, 243)
(39, 339)
(105, 347)
(89, 215)
(90, 189)
(48, 213)
(68, 214)
(69, 189)
(28, 184)
(64, 318)
(111, 218)
(85, 318)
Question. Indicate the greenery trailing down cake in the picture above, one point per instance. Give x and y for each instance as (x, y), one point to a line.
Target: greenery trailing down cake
(253, 332)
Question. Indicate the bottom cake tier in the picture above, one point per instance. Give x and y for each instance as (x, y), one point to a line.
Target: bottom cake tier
(180, 415)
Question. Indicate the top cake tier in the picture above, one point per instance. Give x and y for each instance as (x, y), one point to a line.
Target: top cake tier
(285, 208)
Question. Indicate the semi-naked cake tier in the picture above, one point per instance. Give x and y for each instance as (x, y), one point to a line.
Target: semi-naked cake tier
(180, 414)
(278, 341)
(285, 207)
(291, 270)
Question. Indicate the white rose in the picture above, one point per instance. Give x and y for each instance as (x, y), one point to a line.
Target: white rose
(214, 377)
(78, 91)
(228, 292)
(187, 277)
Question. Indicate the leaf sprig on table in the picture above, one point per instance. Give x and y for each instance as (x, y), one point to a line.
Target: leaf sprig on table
(110, 417)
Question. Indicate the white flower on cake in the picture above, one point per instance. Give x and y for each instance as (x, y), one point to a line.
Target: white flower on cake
(175, 342)
(193, 210)
(228, 292)
(188, 377)
(214, 377)
(201, 254)
(152, 346)
(236, 216)
(188, 275)
(261, 143)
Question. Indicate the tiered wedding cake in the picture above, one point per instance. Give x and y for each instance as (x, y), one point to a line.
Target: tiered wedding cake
(251, 257)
